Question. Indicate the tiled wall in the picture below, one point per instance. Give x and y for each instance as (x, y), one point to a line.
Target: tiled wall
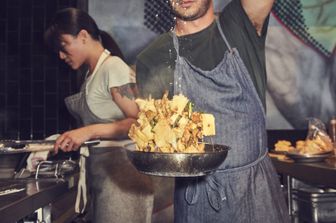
(33, 81)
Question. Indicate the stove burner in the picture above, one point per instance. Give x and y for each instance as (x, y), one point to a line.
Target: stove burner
(55, 169)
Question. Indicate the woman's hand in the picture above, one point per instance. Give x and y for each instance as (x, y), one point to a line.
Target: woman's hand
(72, 140)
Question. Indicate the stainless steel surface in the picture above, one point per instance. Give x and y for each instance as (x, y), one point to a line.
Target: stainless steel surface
(37, 194)
(178, 164)
(8, 164)
(22, 146)
(55, 169)
(25, 142)
(9, 150)
(308, 158)
(11, 191)
(14, 153)
(320, 174)
(315, 206)
(11, 188)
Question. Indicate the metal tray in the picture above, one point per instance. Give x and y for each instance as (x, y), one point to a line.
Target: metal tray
(308, 158)
(178, 164)
(20, 146)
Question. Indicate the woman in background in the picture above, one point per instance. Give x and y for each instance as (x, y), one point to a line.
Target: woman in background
(106, 109)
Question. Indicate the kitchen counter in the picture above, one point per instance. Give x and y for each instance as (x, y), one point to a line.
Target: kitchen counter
(36, 194)
(318, 174)
(44, 194)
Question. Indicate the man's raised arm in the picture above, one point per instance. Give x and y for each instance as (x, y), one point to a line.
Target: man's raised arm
(257, 11)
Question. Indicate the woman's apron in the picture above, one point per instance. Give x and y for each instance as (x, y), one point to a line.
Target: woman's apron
(245, 188)
(118, 192)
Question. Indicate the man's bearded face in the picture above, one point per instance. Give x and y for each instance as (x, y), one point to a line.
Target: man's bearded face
(189, 10)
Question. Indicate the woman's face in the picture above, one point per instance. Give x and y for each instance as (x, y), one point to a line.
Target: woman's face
(72, 50)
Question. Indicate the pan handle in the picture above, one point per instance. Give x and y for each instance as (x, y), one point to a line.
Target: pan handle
(92, 142)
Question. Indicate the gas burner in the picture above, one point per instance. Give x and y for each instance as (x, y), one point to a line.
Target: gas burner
(55, 169)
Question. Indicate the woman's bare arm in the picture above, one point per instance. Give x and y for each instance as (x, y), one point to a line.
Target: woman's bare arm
(73, 139)
(123, 96)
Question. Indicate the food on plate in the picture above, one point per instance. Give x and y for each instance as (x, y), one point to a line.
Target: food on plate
(283, 146)
(170, 126)
(315, 146)
(300, 144)
(320, 144)
(317, 141)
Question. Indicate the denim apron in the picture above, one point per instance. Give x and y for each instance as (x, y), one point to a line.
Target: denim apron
(118, 192)
(245, 188)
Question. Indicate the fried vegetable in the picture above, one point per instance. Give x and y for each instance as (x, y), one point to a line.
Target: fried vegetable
(170, 126)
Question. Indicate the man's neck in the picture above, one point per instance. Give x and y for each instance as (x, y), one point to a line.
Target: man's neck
(183, 28)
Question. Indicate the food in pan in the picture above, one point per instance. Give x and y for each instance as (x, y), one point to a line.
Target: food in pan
(170, 126)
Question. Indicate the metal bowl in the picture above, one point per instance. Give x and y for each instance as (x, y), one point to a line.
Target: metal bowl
(178, 164)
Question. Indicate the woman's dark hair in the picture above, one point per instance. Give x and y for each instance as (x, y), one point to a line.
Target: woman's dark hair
(109, 43)
(72, 21)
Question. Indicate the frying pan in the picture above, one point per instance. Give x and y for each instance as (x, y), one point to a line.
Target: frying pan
(14, 154)
(22, 146)
(178, 164)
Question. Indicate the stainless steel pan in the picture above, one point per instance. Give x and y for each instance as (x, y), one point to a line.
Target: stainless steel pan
(14, 153)
(178, 164)
(22, 146)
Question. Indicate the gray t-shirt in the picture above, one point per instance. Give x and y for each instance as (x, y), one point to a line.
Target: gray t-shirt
(113, 72)
(205, 49)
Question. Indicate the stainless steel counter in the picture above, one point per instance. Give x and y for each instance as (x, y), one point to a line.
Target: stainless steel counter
(36, 194)
(318, 174)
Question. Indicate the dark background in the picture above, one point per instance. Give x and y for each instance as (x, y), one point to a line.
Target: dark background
(33, 81)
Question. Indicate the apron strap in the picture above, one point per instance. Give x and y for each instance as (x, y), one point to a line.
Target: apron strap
(223, 35)
(176, 44)
(81, 188)
(178, 79)
(105, 55)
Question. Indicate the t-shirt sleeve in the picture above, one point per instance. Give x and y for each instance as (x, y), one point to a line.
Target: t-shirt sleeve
(234, 13)
(118, 73)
